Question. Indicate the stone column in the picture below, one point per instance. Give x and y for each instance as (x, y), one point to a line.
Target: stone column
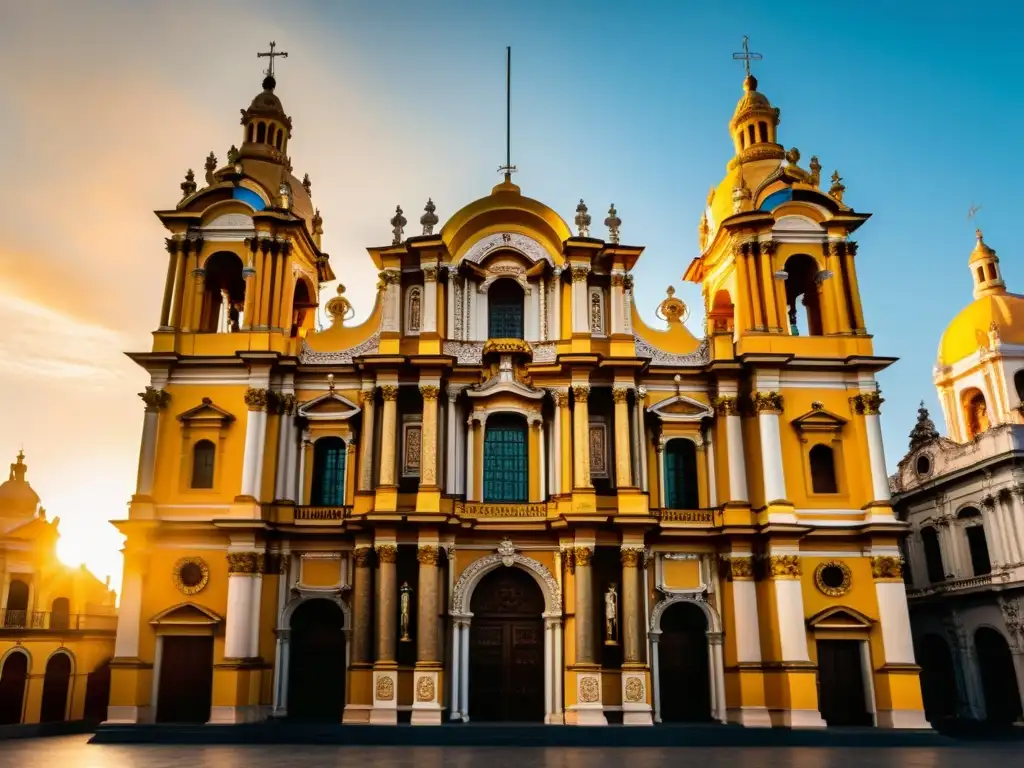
(635, 708)
(366, 399)
(388, 434)
(1017, 512)
(869, 404)
(155, 400)
(426, 685)
(451, 440)
(428, 445)
(285, 441)
(178, 301)
(470, 456)
(555, 326)
(739, 571)
(728, 406)
(243, 570)
(589, 709)
(255, 436)
(1004, 503)
(362, 599)
(392, 313)
(851, 275)
(616, 303)
(769, 406)
(641, 441)
(385, 674)
(580, 319)
(559, 398)
(249, 275)
(173, 248)
(428, 318)
(659, 455)
(581, 434)
(993, 532)
(196, 308)
(623, 478)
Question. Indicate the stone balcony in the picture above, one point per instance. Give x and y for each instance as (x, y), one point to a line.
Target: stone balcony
(967, 585)
(48, 621)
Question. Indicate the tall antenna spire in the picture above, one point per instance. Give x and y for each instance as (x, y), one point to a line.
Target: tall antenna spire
(508, 169)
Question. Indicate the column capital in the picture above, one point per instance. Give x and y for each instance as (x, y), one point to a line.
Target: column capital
(246, 563)
(256, 399)
(389, 392)
(361, 556)
(579, 272)
(454, 392)
(867, 403)
(767, 402)
(619, 394)
(560, 397)
(886, 567)
(631, 556)
(426, 554)
(429, 391)
(784, 567)
(387, 553)
(738, 567)
(155, 399)
(988, 502)
(582, 555)
(726, 405)
(366, 397)
(429, 273)
(715, 638)
(581, 392)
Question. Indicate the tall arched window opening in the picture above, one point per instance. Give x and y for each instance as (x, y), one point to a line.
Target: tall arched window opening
(16, 614)
(505, 301)
(56, 682)
(13, 681)
(1018, 384)
(60, 613)
(933, 555)
(977, 545)
(303, 309)
(975, 413)
(823, 470)
(802, 283)
(223, 294)
(681, 475)
(203, 457)
(261, 133)
(328, 472)
(506, 473)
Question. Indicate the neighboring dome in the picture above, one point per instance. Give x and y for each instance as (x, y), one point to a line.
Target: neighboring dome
(970, 330)
(16, 496)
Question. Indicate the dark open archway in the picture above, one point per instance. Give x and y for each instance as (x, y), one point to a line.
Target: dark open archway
(938, 679)
(998, 677)
(97, 693)
(316, 662)
(506, 648)
(684, 677)
(13, 677)
(56, 684)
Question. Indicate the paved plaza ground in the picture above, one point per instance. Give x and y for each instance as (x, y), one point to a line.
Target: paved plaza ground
(75, 751)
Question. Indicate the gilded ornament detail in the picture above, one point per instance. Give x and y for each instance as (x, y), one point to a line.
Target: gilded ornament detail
(580, 392)
(767, 402)
(631, 556)
(739, 568)
(887, 567)
(867, 403)
(246, 563)
(619, 394)
(582, 556)
(387, 553)
(362, 556)
(784, 566)
(425, 688)
(590, 690)
(579, 273)
(155, 399)
(389, 392)
(833, 578)
(426, 554)
(634, 690)
(385, 688)
(256, 399)
(191, 575)
(726, 405)
(429, 391)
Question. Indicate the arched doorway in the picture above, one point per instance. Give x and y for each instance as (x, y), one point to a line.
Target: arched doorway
(316, 662)
(998, 677)
(13, 676)
(56, 683)
(681, 475)
(506, 473)
(683, 672)
(938, 680)
(506, 648)
(97, 693)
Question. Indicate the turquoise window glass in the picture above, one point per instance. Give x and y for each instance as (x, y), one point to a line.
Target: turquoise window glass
(505, 465)
(328, 472)
(681, 475)
(505, 310)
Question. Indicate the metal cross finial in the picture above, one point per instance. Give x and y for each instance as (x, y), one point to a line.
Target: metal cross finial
(271, 54)
(973, 211)
(747, 56)
(508, 169)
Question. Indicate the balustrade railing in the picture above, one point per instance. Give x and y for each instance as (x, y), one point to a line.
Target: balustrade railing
(56, 621)
(307, 512)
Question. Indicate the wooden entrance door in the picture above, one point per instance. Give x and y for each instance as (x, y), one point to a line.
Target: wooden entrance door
(684, 680)
(316, 666)
(841, 698)
(506, 648)
(186, 679)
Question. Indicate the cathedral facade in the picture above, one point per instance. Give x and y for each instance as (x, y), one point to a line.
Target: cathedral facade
(963, 497)
(504, 496)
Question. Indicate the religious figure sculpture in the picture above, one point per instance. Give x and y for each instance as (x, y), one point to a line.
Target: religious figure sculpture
(611, 616)
(404, 602)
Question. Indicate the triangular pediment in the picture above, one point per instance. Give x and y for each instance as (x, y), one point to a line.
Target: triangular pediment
(682, 408)
(840, 617)
(329, 407)
(819, 420)
(186, 614)
(208, 412)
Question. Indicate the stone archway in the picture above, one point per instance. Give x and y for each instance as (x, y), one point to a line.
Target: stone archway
(506, 556)
(716, 668)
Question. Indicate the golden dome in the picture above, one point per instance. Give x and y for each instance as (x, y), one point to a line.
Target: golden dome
(969, 331)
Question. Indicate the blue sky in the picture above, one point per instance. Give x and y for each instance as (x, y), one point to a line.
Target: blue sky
(106, 105)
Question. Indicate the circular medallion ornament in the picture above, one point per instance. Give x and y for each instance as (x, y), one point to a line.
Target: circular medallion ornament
(191, 575)
(833, 578)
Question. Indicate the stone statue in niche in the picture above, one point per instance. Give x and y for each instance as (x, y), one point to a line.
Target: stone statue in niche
(611, 616)
(404, 605)
(415, 311)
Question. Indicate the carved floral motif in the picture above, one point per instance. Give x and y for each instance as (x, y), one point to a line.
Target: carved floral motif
(631, 556)
(581, 392)
(619, 394)
(362, 556)
(833, 578)
(590, 690)
(767, 402)
(385, 688)
(634, 690)
(191, 575)
(425, 688)
(387, 553)
(426, 554)
(429, 391)
(887, 567)
(726, 405)
(582, 555)
(784, 566)
(389, 392)
(245, 562)
(256, 399)
(738, 568)
(867, 403)
(155, 399)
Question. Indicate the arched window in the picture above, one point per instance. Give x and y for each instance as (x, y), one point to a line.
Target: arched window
(328, 472)
(743, 140)
(13, 680)
(56, 682)
(1018, 384)
(60, 610)
(16, 614)
(991, 271)
(303, 309)
(248, 132)
(823, 470)
(223, 293)
(681, 475)
(763, 128)
(976, 543)
(279, 138)
(505, 310)
(505, 461)
(203, 456)
(933, 555)
(975, 413)
(750, 133)
(261, 133)
(802, 283)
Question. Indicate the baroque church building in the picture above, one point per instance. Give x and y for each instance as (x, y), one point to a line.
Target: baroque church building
(504, 496)
(963, 496)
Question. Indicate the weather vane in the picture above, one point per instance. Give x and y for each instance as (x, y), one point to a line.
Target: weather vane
(271, 54)
(747, 56)
(508, 169)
